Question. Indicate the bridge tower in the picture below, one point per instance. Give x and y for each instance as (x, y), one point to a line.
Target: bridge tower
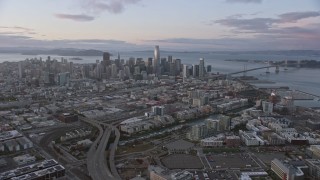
(277, 69)
(286, 65)
(268, 71)
(298, 64)
(244, 70)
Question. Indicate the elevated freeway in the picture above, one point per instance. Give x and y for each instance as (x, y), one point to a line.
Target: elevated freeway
(98, 166)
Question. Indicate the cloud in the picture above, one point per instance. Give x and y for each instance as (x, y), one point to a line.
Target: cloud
(18, 30)
(92, 8)
(111, 6)
(12, 40)
(295, 16)
(75, 17)
(243, 1)
(259, 42)
(248, 24)
(262, 25)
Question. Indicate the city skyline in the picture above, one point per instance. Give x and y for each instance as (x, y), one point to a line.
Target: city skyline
(180, 25)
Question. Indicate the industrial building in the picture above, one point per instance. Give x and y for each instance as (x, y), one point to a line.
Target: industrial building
(47, 169)
(289, 170)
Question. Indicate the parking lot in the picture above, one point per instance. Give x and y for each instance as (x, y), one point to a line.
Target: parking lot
(268, 157)
(229, 161)
(214, 175)
(182, 161)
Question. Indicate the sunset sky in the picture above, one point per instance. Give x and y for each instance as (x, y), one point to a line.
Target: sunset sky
(212, 25)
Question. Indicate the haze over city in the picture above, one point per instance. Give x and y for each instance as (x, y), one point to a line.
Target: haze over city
(159, 89)
(189, 25)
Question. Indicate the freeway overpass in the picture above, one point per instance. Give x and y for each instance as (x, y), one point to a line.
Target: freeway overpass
(97, 163)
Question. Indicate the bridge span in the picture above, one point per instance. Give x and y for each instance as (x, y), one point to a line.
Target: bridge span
(253, 69)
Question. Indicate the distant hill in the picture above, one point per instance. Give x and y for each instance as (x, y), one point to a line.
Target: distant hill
(65, 52)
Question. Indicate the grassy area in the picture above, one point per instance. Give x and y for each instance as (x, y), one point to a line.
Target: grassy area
(134, 148)
(221, 150)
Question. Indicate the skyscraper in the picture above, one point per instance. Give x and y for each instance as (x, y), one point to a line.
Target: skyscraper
(209, 68)
(106, 59)
(201, 68)
(63, 79)
(156, 60)
(195, 71)
(114, 70)
(178, 65)
(170, 59)
(185, 71)
(20, 69)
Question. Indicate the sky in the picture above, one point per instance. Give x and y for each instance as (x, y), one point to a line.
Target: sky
(208, 25)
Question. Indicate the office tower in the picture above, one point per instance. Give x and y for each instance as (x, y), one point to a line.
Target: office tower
(195, 71)
(131, 63)
(156, 60)
(144, 75)
(224, 122)
(20, 69)
(178, 65)
(267, 107)
(137, 70)
(106, 59)
(121, 74)
(48, 78)
(149, 65)
(201, 68)
(86, 71)
(63, 79)
(172, 69)
(127, 71)
(158, 110)
(197, 132)
(71, 67)
(209, 68)
(97, 69)
(163, 61)
(170, 59)
(117, 62)
(114, 70)
(185, 71)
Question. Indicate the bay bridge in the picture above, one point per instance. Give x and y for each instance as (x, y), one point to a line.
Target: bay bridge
(297, 64)
(254, 69)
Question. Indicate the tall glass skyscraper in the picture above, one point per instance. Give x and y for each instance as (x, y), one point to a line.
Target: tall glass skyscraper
(201, 68)
(156, 60)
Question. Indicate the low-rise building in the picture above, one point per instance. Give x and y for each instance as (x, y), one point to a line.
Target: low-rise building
(47, 169)
(314, 168)
(233, 141)
(179, 146)
(68, 117)
(289, 170)
(85, 143)
(159, 173)
(132, 128)
(24, 159)
(251, 138)
(25, 143)
(214, 141)
(12, 145)
(197, 132)
(1, 147)
(313, 125)
(274, 139)
(314, 151)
